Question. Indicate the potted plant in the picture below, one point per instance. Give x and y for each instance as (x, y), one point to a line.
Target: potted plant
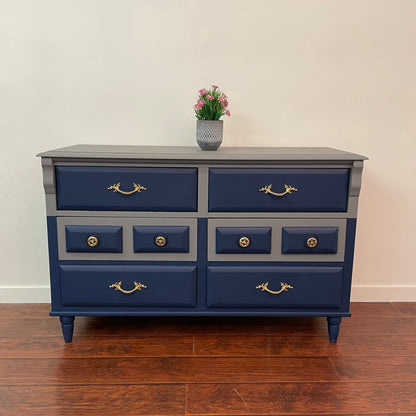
(212, 104)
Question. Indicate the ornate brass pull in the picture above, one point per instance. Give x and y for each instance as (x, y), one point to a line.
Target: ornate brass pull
(288, 190)
(265, 287)
(92, 240)
(160, 241)
(137, 286)
(137, 188)
(312, 242)
(244, 242)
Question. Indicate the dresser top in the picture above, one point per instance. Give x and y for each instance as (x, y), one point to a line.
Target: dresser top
(195, 153)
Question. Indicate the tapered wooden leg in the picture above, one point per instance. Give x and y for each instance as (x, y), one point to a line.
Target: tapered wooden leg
(67, 323)
(333, 328)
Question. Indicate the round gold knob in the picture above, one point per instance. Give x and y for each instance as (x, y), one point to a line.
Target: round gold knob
(160, 241)
(92, 240)
(312, 242)
(244, 242)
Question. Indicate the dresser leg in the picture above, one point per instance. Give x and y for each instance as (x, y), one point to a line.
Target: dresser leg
(333, 328)
(67, 323)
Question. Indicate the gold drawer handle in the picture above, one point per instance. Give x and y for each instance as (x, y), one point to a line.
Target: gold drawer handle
(137, 286)
(312, 242)
(265, 287)
(92, 240)
(137, 188)
(288, 190)
(160, 241)
(244, 242)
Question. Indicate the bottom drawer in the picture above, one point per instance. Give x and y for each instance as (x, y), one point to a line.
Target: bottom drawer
(293, 287)
(99, 285)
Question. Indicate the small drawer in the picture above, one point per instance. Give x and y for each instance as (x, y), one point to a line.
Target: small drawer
(278, 190)
(243, 240)
(93, 239)
(160, 239)
(312, 240)
(126, 189)
(274, 287)
(139, 286)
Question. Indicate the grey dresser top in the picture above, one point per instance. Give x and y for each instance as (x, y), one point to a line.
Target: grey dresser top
(195, 153)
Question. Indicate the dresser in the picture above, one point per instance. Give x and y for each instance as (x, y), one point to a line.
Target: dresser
(177, 231)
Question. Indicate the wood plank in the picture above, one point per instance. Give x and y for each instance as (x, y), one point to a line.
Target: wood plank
(406, 308)
(376, 309)
(369, 327)
(167, 370)
(167, 326)
(89, 400)
(301, 398)
(94, 347)
(346, 346)
(232, 345)
(18, 328)
(24, 311)
(318, 346)
(375, 368)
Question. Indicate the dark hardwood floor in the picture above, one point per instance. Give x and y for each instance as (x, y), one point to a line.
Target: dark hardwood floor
(208, 366)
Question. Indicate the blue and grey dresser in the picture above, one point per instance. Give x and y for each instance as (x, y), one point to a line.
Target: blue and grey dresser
(177, 231)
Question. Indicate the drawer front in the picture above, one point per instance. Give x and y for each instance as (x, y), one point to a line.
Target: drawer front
(309, 240)
(161, 239)
(276, 239)
(117, 188)
(248, 190)
(94, 239)
(99, 285)
(248, 287)
(243, 240)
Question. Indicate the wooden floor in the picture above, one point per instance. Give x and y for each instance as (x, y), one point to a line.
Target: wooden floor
(206, 366)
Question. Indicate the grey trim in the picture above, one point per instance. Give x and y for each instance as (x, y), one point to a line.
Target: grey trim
(276, 251)
(128, 253)
(355, 178)
(194, 153)
(48, 171)
(158, 214)
(203, 191)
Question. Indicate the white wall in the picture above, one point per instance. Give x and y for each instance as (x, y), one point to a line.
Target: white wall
(298, 73)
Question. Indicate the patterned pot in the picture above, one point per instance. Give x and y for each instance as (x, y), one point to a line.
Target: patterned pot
(209, 134)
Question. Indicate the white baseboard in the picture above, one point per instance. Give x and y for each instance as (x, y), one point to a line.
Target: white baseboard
(398, 293)
(25, 294)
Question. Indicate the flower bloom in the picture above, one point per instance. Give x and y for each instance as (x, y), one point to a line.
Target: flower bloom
(209, 97)
(215, 87)
(228, 113)
(221, 99)
(201, 103)
(197, 106)
(203, 91)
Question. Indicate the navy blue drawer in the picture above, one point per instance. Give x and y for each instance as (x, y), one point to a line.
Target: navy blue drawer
(94, 239)
(243, 240)
(162, 239)
(249, 190)
(247, 287)
(309, 240)
(165, 286)
(116, 188)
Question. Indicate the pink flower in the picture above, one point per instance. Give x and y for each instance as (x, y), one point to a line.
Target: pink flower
(201, 103)
(228, 113)
(221, 99)
(215, 87)
(209, 97)
(197, 106)
(203, 91)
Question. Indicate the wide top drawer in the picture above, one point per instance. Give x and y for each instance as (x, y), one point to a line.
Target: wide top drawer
(278, 190)
(126, 188)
